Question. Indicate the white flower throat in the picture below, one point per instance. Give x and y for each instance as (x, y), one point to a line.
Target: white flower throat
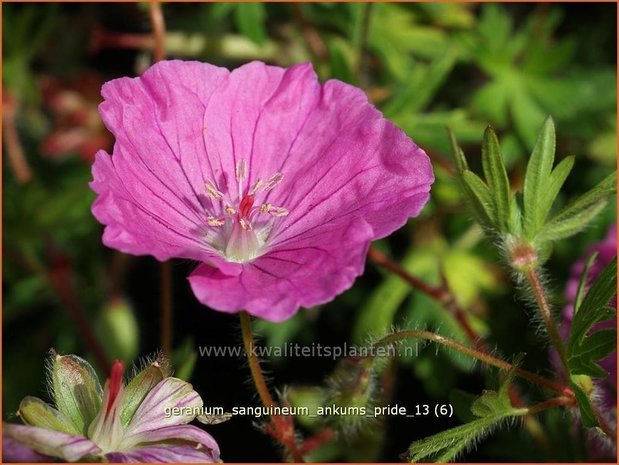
(239, 229)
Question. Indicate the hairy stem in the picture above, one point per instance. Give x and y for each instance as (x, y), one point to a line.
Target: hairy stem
(446, 298)
(473, 353)
(440, 294)
(283, 427)
(534, 281)
(561, 401)
(605, 426)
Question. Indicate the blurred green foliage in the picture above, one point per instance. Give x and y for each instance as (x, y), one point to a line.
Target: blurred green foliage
(427, 66)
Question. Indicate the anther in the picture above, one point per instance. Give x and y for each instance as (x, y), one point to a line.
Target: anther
(212, 191)
(215, 221)
(273, 181)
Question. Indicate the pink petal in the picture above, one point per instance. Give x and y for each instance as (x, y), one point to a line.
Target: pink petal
(14, 452)
(162, 454)
(151, 191)
(168, 394)
(184, 436)
(304, 274)
(53, 443)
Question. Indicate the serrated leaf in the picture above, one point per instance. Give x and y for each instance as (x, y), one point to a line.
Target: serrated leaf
(594, 347)
(447, 445)
(537, 177)
(492, 408)
(583, 350)
(579, 213)
(496, 178)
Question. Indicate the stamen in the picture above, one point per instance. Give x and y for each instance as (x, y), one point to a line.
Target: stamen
(241, 170)
(215, 221)
(257, 185)
(212, 191)
(273, 181)
(272, 210)
(229, 210)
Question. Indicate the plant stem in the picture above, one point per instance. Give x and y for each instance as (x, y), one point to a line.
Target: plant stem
(158, 26)
(473, 353)
(444, 296)
(166, 308)
(314, 42)
(440, 294)
(561, 401)
(283, 428)
(14, 150)
(534, 281)
(254, 363)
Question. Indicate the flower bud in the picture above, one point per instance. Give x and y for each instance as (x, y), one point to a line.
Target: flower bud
(350, 396)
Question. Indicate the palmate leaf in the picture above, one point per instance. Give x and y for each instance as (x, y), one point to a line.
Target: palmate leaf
(585, 350)
(492, 409)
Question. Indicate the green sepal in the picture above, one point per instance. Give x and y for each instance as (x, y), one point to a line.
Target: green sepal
(76, 389)
(34, 412)
(138, 388)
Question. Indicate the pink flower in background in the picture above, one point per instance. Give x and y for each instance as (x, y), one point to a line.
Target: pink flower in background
(275, 183)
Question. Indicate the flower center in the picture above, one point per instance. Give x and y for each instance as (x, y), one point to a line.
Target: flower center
(238, 228)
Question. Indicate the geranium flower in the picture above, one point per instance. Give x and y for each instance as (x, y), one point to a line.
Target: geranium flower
(275, 183)
(121, 423)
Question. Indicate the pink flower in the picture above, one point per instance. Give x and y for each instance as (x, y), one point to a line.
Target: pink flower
(275, 183)
(145, 420)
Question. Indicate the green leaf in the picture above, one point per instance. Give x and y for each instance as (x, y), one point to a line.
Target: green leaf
(250, 19)
(492, 408)
(537, 176)
(579, 213)
(583, 350)
(447, 445)
(595, 347)
(496, 177)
